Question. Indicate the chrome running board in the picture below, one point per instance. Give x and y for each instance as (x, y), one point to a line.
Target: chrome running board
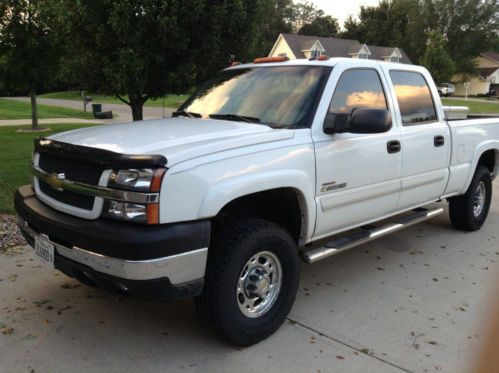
(369, 233)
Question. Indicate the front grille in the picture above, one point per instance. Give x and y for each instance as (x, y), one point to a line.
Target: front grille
(84, 172)
(69, 198)
(80, 171)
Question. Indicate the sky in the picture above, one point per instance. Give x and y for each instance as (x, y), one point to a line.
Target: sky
(342, 8)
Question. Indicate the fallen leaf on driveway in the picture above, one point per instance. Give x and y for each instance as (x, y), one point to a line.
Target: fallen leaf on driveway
(8, 331)
(63, 309)
(70, 286)
(39, 303)
(339, 357)
(29, 336)
(12, 278)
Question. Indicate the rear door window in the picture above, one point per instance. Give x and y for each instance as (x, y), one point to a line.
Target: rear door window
(414, 97)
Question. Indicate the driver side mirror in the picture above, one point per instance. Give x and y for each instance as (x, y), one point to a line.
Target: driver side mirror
(358, 121)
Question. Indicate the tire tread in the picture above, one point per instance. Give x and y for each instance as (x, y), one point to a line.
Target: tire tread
(222, 250)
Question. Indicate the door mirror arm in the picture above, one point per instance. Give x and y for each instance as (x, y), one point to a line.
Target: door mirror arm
(336, 123)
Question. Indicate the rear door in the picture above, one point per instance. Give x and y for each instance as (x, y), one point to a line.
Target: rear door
(425, 139)
(358, 175)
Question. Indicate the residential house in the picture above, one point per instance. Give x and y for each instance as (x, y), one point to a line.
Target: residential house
(304, 46)
(487, 78)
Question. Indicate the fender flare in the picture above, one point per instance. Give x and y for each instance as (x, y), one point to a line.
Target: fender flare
(482, 148)
(226, 191)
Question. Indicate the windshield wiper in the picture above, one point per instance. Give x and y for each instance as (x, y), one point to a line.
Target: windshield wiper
(183, 113)
(241, 118)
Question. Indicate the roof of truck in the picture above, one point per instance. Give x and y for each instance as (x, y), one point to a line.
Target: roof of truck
(354, 62)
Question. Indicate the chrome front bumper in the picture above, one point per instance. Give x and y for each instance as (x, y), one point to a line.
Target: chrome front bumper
(179, 268)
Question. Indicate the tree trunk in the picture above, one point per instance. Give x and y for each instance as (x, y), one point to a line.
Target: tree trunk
(34, 110)
(137, 104)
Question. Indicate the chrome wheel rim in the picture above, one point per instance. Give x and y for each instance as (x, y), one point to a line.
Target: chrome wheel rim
(479, 199)
(259, 284)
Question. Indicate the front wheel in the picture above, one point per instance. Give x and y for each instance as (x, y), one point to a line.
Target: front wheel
(469, 211)
(251, 281)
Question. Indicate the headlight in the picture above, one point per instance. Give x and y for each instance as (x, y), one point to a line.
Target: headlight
(132, 212)
(143, 179)
(146, 180)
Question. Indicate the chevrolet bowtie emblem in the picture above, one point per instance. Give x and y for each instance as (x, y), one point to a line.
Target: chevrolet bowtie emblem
(56, 181)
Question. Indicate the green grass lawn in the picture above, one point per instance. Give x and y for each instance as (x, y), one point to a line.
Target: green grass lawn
(171, 101)
(15, 158)
(476, 107)
(10, 109)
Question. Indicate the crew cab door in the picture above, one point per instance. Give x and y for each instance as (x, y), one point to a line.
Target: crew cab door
(425, 139)
(358, 175)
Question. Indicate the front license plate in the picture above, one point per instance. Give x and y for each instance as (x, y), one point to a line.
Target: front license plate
(44, 250)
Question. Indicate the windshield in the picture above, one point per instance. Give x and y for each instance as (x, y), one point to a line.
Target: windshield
(279, 96)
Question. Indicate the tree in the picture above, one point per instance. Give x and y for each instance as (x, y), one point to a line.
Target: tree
(144, 50)
(28, 46)
(326, 26)
(352, 29)
(390, 23)
(243, 28)
(133, 50)
(275, 18)
(304, 13)
(469, 27)
(437, 60)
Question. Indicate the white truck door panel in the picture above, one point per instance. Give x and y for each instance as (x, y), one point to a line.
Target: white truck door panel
(357, 178)
(425, 140)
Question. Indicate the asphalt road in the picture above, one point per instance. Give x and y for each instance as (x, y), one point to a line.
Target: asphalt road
(121, 113)
(413, 301)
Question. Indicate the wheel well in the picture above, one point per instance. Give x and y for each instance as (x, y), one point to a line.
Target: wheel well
(281, 206)
(488, 159)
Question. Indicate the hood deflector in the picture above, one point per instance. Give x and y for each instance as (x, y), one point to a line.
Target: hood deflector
(104, 158)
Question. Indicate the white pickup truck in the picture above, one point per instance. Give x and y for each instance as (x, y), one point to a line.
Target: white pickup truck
(267, 163)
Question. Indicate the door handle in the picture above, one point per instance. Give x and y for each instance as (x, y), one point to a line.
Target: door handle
(393, 146)
(439, 141)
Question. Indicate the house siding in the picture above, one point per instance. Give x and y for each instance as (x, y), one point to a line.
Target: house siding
(478, 85)
(282, 47)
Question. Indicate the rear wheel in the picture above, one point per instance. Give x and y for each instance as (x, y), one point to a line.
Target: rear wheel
(251, 281)
(469, 211)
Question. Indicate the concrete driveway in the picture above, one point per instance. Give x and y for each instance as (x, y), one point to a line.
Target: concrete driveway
(414, 301)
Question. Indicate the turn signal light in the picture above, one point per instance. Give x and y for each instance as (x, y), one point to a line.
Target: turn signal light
(156, 179)
(153, 213)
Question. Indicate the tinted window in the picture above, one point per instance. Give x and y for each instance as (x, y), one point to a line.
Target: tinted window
(414, 97)
(281, 96)
(358, 88)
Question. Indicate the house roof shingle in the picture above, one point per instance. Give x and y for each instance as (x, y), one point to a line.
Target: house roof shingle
(492, 56)
(485, 72)
(335, 47)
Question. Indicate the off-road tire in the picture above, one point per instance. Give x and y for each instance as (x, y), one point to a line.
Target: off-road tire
(229, 251)
(461, 207)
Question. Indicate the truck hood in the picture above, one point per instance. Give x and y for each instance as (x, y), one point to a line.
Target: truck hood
(178, 139)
